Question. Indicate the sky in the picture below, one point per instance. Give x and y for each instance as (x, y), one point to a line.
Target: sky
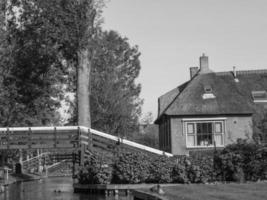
(173, 34)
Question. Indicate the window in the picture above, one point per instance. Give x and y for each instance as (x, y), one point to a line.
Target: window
(204, 133)
(259, 96)
(208, 93)
(208, 89)
(218, 127)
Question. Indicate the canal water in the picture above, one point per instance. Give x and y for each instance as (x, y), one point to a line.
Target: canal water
(47, 189)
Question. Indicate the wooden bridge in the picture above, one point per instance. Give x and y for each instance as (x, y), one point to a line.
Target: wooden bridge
(71, 143)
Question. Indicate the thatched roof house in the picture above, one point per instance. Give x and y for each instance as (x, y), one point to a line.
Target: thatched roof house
(210, 109)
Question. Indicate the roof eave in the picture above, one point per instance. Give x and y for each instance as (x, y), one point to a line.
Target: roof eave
(204, 115)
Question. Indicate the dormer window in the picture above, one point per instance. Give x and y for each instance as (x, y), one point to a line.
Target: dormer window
(259, 96)
(208, 89)
(208, 92)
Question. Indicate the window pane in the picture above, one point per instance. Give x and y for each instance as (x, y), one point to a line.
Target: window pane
(190, 128)
(218, 127)
(204, 128)
(218, 139)
(204, 134)
(204, 139)
(190, 140)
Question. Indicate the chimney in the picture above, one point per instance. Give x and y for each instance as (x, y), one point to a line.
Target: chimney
(204, 64)
(235, 75)
(234, 71)
(193, 71)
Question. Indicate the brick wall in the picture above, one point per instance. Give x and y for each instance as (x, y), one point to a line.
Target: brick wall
(178, 139)
(238, 127)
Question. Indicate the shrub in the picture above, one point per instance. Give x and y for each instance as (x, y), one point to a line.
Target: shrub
(180, 169)
(257, 168)
(202, 167)
(242, 161)
(95, 171)
(131, 167)
(236, 162)
(230, 166)
(160, 169)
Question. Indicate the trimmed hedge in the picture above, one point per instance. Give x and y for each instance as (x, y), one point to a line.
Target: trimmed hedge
(239, 162)
(180, 170)
(131, 168)
(160, 169)
(95, 172)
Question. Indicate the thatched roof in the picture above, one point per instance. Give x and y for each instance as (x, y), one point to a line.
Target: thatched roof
(231, 97)
(165, 100)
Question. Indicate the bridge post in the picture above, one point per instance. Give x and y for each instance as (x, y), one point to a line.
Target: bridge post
(82, 155)
(20, 160)
(85, 146)
(82, 148)
(39, 161)
(73, 164)
(90, 140)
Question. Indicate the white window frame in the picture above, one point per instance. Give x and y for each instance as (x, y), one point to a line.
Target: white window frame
(204, 120)
(259, 100)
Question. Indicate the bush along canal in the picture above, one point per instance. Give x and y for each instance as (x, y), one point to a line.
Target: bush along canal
(234, 164)
(226, 174)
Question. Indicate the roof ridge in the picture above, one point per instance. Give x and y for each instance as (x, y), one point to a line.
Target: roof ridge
(243, 72)
(226, 73)
(254, 71)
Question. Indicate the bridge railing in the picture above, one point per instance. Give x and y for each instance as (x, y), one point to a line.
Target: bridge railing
(35, 157)
(40, 137)
(130, 143)
(59, 137)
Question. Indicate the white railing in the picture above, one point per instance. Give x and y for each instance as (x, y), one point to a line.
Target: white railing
(35, 157)
(130, 143)
(55, 164)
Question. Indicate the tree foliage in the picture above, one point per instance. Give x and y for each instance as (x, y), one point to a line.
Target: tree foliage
(115, 102)
(33, 72)
(39, 58)
(39, 37)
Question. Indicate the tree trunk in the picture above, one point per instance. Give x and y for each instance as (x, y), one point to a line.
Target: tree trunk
(84, 66)
(83, 85)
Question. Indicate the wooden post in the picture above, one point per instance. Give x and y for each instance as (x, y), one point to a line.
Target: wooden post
(20, 162)
(82, 148)
(7, 137)
(90, 140)
(73, 164)
(38, 160)
(55, 137)
(6, 176)
(29, 138)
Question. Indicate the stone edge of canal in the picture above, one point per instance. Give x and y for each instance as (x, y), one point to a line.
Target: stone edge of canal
(120, 190)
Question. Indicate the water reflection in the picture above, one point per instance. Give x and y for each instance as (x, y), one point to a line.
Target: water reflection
(48, 189)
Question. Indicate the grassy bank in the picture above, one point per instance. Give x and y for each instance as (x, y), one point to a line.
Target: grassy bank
(233, 191)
